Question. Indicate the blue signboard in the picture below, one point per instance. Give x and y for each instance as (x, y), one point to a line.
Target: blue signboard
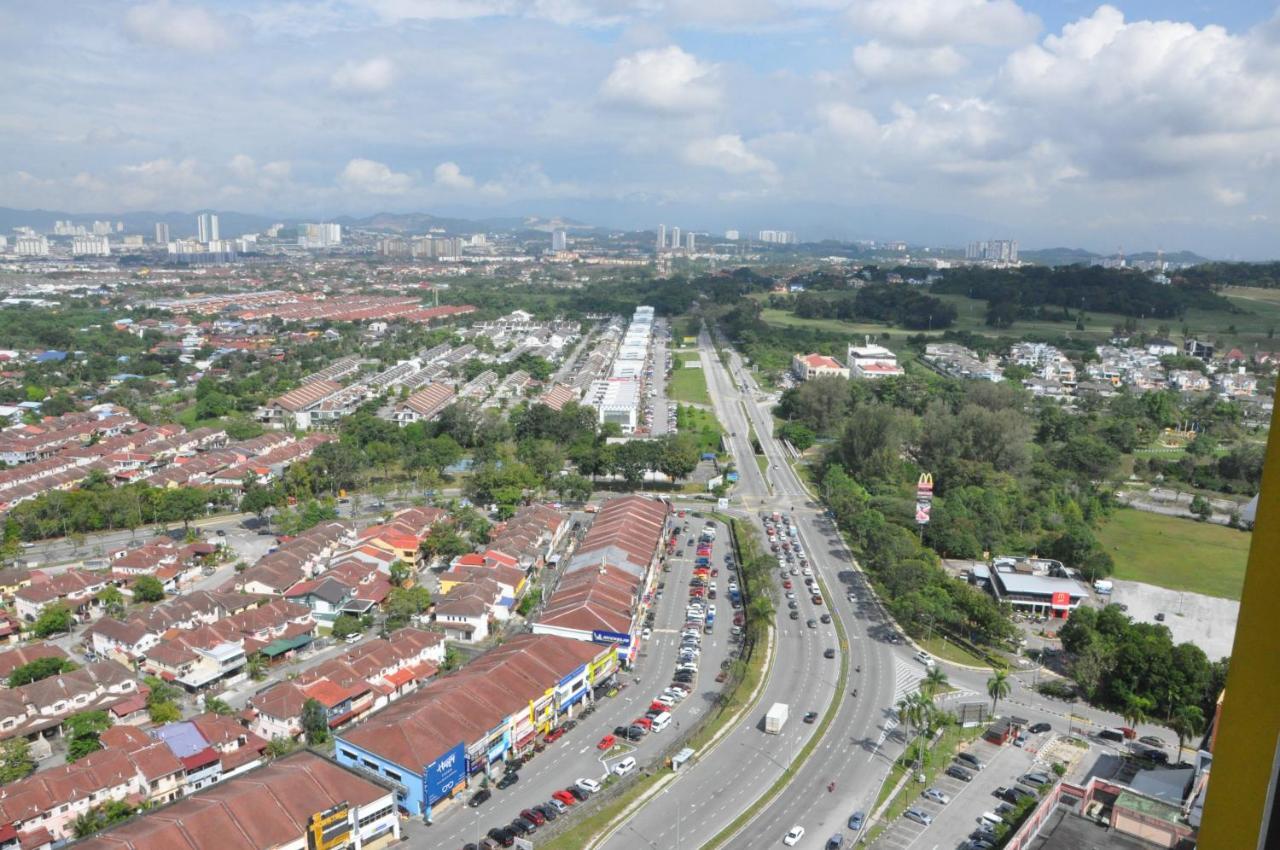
(601, 636)
(443, 775)
(731, 477)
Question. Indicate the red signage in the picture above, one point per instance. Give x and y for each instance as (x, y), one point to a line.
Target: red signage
(1062, 599)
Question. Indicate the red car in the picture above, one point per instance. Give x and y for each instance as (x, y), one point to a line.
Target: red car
(657, 706)
(787, 584)
(538, 818)
(606, 743)
(715, 571)
(554, 735)
(564, 797)
(642, 721)
(680, 514)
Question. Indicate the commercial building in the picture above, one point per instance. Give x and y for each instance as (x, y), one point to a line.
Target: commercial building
(1034, 585)
(431, 745)
(616, 400)
(809, 366)
(871, 361)
(162, 233)
(90, 246)
(993, 250)
(207, 228)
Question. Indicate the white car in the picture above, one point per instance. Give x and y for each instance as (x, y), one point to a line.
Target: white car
(793, 836)
(646, 633)
(924, 658)
(625, 766)
(588, 785)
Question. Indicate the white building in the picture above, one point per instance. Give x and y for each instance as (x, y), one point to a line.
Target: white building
(872, 361)
(90, 246)
(207, 227)
(559, 240)
(993, 250)
(662, 237)
(675, 237)
(31, 246)
(731, 235)
(690, 242)
(777, 237)
(324, 235)
(616, 400)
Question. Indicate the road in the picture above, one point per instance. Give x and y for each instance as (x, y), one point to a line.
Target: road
(575, 755)
(658, 362)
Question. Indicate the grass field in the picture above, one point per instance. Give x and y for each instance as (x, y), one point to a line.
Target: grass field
(688, 385)
(1180, 554)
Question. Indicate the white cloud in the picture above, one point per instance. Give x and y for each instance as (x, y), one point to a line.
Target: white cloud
(179, 26)
(242, 167)
(728, 153)
(449, 176)
(938, 22)
(373, 178)
(664, 80)
(368, 77)
(880, 62)
(1229, 197)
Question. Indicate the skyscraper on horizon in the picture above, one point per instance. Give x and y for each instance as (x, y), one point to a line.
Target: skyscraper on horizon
(162, 233)
(207, 227)
(559, 240)
(662, 237)
(675, 238)
(690, 242)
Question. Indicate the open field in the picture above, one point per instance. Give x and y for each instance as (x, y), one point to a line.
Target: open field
(1179, 554)
(686, 384)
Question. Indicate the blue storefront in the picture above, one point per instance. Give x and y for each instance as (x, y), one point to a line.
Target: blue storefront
(572, 689)
(416, 791)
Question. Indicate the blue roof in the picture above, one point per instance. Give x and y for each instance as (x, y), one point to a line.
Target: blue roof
(183, 738)
(51, 356)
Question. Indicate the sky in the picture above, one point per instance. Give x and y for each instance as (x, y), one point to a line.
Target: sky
(1134, 126)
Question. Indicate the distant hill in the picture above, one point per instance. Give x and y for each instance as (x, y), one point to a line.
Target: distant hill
(1079, 256)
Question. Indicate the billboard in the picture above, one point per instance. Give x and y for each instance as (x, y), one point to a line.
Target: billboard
(445, 773)
(601, 636)
(330, 828)
(1061, 599)
(924, 498)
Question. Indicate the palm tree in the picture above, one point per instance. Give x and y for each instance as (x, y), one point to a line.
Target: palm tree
(1135, 712)
(998, 687)
(934, 681)
(1187, 722)
(915, 711)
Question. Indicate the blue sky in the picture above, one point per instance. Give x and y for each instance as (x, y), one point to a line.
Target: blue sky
(1137, 124)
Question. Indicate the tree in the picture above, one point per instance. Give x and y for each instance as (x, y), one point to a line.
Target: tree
(112, 601)
(1187, 722)
(279, 747)
(256, 666)
(315, 722)
(217, 706)
(400, 572)
(404, 603)
(148, 589)
(41, 668)
(998, 687)
(346, 625)
(444, 543)
(103, 816)
(1200, 507)
(53, 619)
(82, 731)
(933, 682)
(15, 760)
(1137, 711)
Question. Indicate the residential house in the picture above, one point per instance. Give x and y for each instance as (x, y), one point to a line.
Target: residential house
(806, 367)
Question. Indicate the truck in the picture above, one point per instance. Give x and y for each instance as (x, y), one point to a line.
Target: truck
(1102, 586)
(775, 718)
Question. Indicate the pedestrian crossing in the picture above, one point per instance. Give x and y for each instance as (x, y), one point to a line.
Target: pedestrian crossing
(906, 677)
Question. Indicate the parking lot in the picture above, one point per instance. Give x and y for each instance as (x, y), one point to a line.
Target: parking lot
(1206, 621)
(953, 822)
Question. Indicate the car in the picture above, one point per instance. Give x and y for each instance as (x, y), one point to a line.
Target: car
(835, 842)
(825, 618)
(555, 734)
(970, 761)
(564, 798)
(816, 599)
(795, 615)
(830, 653)
(607, 742)
(625, 766)
(480, 797)
(578, 793)
(924, 658)
(588, 785)
(787, 584)
(920, 816)
(503, 837)
(955, 771)
(1160, 617)
(1152, 741)
(548, 811)
(793, 605)
(1020, 739)
(520, 826)
(856, 820)
(937, 795)
(647, 633)
(1037, 728)
(620, 731)
(793, 836)
(558, 805)
(508, 779)
(1035, 779)
(810, 716)
(537, 817)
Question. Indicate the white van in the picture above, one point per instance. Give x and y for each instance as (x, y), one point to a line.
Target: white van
(991, 818)
(662, 721)
(625, 766)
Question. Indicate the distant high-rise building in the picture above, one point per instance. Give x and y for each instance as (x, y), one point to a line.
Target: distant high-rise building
(101, 228)
(993, 250)
(119, 227)
(162, 233)
(4, 243)
(777, 237)
(675, 238)
(90, 246)
(274, 230)
(31, 246)
(132, 240)
(690, 241)
(559, 240)
(325, 235)
(662, 237)
(437, 247)
(207, 227)
(393, 246)
(731, 235)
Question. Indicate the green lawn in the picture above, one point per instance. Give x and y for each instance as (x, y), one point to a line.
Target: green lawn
(688, 385)
(1180, 554)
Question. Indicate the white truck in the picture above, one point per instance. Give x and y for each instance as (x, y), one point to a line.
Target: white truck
(1103, 587)
(775, 718)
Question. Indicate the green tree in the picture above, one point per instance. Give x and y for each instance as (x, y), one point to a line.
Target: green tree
(15, 760)
(280, 747)
(112, 601)
(102, 816)
(998, 687)
(400, 572)
(217, 706)
(82, 731)
(1200, 507)
(404, 603)
(346, 625)
(933, 682)
(41, 668)
(148, 589)
(315, 722)
(1187, 722)
(54, 619)
(444, 543)
(256, 667)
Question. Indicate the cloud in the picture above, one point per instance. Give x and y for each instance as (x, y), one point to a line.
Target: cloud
(1229, 197)
(662, 80)
(880, 62)
(939, 22)
(368, 77)
(242, 167)
(178, 26)
(729, 154)
(449, 176)
(368, 177)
